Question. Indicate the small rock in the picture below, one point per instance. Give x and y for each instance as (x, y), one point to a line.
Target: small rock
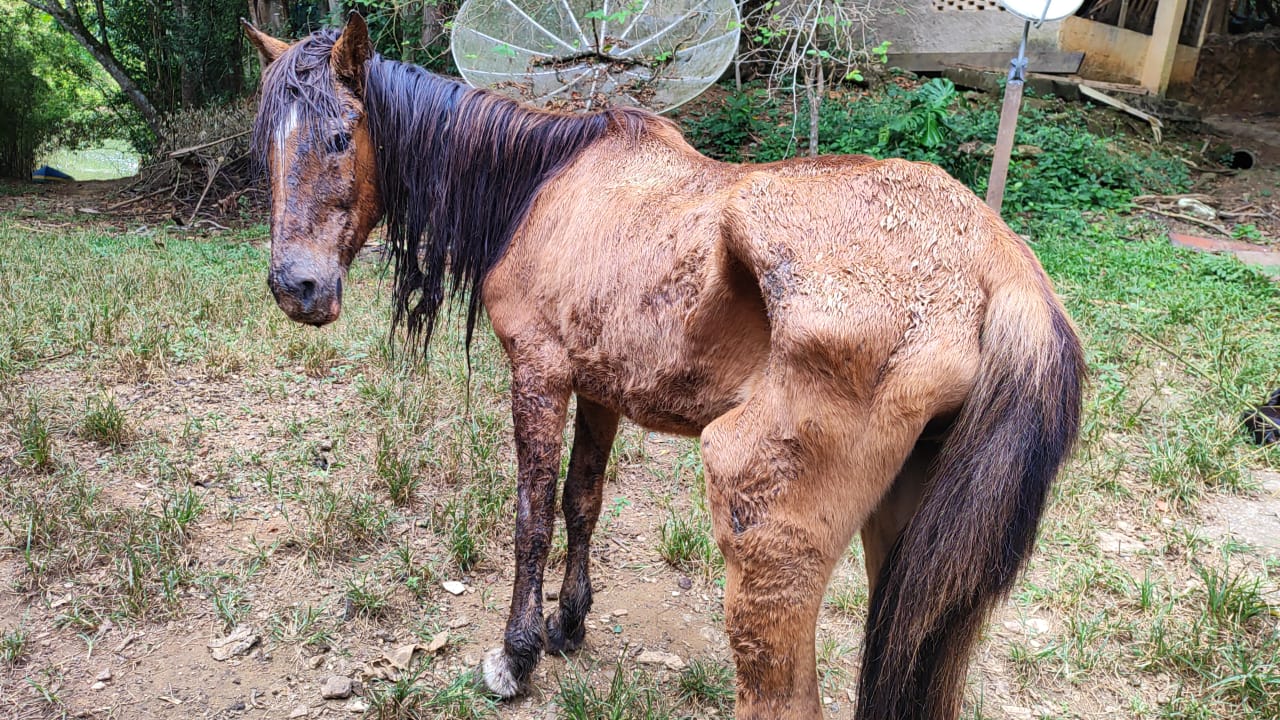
(551, 594)
(453, 587)
(326, 445)
(1037, 626)
(684, 582)
(98, 685)
(336, 687)
(459, 622)
(357, 706)
(315, 661)
(105, 675)
(239, 642)
(300, 712)
(1119, 544)
(620, 612)
(670, 661)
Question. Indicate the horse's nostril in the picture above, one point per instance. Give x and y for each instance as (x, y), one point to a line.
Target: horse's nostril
(306, 290)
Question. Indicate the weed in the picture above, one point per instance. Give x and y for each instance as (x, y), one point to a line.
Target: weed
(47, 690)
(416, 577)
(407, 699)
(1065, 165)
(231, 607)
(708, 683)
(104, 422)
(685, 542)
(180, 510)
(337, 522)
(34, 439)
(367, 596)
(396, 468)
(848, 597)
(13, 646)
(631, 695)
(1232, 600)
(302, 625)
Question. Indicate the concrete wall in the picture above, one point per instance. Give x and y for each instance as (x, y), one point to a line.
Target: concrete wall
(936, 26)
(1117, 55)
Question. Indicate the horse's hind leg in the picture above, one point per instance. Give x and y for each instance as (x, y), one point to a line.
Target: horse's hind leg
(594, 430)
(788, 487)
(881, 530)
(539, 404)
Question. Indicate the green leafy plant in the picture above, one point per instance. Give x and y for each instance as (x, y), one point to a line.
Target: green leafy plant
(926, 123)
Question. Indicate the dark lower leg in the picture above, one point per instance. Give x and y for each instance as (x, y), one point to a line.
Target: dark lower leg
(539, 410)
(594, 430)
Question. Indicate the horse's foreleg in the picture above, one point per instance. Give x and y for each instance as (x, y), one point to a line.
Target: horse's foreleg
(539, 402)
(594, 429)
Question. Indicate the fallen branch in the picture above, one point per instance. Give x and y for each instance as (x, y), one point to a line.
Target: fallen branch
(130, 201)
(180, 152)
(1105, 99)
(213, 175)
(1188, 218)
(1215, 171)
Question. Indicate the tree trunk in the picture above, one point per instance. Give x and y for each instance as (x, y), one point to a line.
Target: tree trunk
(69, 20)
(188, 76)
(432, 22)
(272, 16)
(813, 92)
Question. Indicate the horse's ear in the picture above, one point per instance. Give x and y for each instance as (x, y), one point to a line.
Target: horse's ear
(270, 48)
(352, 50)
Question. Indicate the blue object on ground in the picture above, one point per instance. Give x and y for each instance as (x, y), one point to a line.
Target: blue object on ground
(44, 174)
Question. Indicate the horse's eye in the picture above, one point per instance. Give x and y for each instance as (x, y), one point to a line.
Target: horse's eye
(339, 142)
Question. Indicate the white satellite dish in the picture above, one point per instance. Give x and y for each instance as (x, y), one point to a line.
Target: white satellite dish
(1038, 11)
(585, 54)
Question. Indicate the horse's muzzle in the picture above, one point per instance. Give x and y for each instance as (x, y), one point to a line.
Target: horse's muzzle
(307, 298)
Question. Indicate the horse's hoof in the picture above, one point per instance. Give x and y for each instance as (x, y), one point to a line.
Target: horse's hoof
(498, 676)
(560, 642)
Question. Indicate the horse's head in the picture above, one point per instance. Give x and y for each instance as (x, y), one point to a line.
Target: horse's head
(312, 139)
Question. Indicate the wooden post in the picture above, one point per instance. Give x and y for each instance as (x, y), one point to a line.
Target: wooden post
(1164, 41)
(1004, 144)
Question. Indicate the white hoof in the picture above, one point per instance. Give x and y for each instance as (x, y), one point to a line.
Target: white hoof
(497, 675)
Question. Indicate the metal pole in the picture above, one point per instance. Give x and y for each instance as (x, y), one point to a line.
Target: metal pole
(1008, 124)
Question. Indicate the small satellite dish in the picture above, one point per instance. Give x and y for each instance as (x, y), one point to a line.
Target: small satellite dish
(587, 54)
(1038, 11)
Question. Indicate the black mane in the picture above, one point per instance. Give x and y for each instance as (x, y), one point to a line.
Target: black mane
(458, 168)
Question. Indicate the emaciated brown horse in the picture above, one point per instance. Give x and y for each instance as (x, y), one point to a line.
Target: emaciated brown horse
(860, 345)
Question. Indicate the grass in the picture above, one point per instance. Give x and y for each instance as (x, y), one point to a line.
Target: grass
(411, 697)
(105, 422)
(13, 646)
(172, 448)
(304, 626)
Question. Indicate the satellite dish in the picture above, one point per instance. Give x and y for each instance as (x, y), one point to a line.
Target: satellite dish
(586, 54)
(1038, 11)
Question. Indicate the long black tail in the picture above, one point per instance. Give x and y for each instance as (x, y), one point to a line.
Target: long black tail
(976, 523)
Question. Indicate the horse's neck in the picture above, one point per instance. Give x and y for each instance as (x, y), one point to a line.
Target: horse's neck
(459, 170)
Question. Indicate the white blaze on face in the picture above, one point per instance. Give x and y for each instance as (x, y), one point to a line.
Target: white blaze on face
(281, 140)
